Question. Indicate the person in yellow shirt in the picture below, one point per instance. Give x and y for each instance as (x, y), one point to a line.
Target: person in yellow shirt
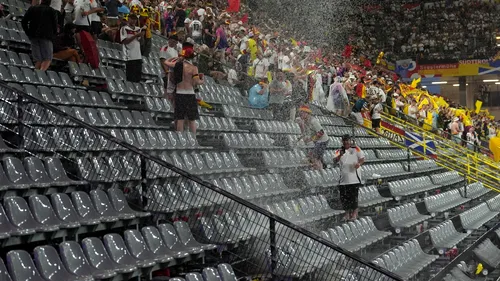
(252, 47)
(145, 24)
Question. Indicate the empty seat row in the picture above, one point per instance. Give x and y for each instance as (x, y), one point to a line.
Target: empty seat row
(226, 229)
(214, 162)
(446, 178)
(330, 120)
(217, 98)
(476, 217)
(445, 236)
(356, 235)
(119, 87)
(407, 260)
(411, 186)
(383, 170)
(322, 178)
(113, 56)
(114, 255)
(421, 166)
(246, 112)
(217, 124)
(254, 186)
(158, 104)
(494, 203)
(366, 143)
(15, 59)
(444, 201)
(369, 196)
(276, 127)
(340, 131)
(37, 77)
(391, 154)
(61, 212)
(285, 159)
(304, 210)
(33, 172)
(69, 96)
(223, 272)
(488, 253)
(333, 142)
(405, 216)
(14, 39)
(247, 141)
(474, 190)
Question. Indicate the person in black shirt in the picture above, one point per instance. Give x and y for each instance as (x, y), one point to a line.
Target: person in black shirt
(209, 32)
(40, 24)
(180, 17)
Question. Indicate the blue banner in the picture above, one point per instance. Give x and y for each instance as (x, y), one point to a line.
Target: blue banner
(415, 141)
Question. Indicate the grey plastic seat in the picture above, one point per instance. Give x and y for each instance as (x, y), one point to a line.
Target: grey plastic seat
(36, 171)
(19, 214)
(104, 206)
(173, 242)
(140, 250)
(86, 210)
(194, 277)
(74, 260)
(211, 274)
(51, 268)
(44, 213)
(56, 171)
(21, 266)
(158, 245)
(4, 274)
(119, 253)
(186, 237)
(226, 272)
(15, 173)
(120, 204)
(65, 211)
(98, 257)
(6, 227)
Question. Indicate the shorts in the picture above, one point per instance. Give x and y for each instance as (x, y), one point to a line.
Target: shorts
(376, 123)
(319, 150)
(96, 27)
(186, 106)
(42, 49)
(133, 70)
(349, 196)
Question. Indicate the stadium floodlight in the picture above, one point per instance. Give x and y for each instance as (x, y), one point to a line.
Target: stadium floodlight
(491, 80)
(423, 87)
(497, 83)
(456, 85)
(439, 82)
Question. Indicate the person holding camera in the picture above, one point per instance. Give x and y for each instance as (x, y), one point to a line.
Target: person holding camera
(350, 158)
(130, 36)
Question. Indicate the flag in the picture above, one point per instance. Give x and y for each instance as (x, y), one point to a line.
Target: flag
(416, 142)
(415, 82)
(479, 104)
(234, 6)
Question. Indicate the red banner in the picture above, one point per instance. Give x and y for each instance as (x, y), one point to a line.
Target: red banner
(234, 6)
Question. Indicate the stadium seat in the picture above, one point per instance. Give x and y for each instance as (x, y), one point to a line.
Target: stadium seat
(21, 266)
(21, 217)
(51, 268)
(474, 190)
(4, 274)
(140, 250)
(445, 236)
(105, 208)
(405, 215)
(444, 201)
(98, 257)
(411, 186)
(74, 260)
(86, 209)
(119, 253)
(488, 253)
(43, 212)
(194, 277)
(477, 216)
(369, 196)
(159, 246)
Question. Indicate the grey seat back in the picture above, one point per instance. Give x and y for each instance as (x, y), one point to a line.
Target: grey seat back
(56, 170)
(4, 274)
(96, 254)
(15, 171)
(42, 210)
(49, 264)
(117, 250)
(21, 266)
(64, 208)
(137, 246)
(226, 272)
(102, 204)
(19, 213)
(73, 258)
(211, 274)
(84, 206)
(36, 170)
(194, 277)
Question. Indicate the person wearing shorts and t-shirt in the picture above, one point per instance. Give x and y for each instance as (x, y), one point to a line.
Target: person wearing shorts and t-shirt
(312, 131)
(377, 109)
(130, 35)
(349, 158)
(40, 25)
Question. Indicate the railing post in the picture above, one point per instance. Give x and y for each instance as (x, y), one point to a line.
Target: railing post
(20, 123)
(424, 146)
(465, 187)
(408, 158)
(272, 242)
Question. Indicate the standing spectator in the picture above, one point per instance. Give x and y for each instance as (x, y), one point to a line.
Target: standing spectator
(112, 8)
(220, 44)
(350, 159)
(195, 30)
(208, 31)
(179, 19)
(40, 24)
(145, 24)
(85, 13)
(471, 138)
(375, 113)
(261, 66)
(312, 131)
(185, 79)
(69, 9)
(455, 130)
(413, 110)
(57, 6)
(258, 95)
(130, 35)
(360, 106)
